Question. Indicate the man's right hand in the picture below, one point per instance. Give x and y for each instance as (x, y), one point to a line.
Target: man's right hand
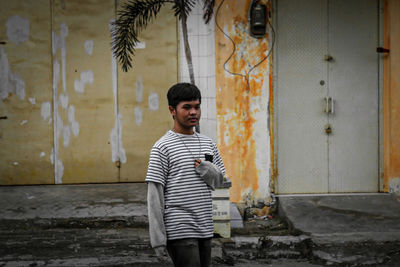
(161, 252)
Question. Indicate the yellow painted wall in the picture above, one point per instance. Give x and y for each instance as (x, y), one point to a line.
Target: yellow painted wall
(143, 93)
(86, 154)
(391, 96)
(90, 123)
(26, 138)
(239, 133)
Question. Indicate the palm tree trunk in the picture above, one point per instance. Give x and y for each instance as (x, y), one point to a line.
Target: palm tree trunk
(188, 53)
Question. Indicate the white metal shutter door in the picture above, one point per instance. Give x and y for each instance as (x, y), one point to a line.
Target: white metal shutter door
(302, 143)
(353, 84)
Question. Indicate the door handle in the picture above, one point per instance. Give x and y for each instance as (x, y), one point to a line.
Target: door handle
(329, 105)
(332, 105)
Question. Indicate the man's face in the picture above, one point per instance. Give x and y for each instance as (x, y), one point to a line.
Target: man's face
(187, 113)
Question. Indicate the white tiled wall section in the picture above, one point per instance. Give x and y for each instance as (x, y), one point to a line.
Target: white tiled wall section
(201, 41)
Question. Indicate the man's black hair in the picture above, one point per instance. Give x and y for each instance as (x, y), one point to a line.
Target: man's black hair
(183, 92)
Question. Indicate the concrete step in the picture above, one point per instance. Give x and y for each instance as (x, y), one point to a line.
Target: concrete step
(105, 222)
(353, 229)
(131, 247)
(271, 247)
(76, 206)
(334, 252)
(76, 247)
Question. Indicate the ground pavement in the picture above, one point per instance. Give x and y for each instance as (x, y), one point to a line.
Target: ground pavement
(106, 225)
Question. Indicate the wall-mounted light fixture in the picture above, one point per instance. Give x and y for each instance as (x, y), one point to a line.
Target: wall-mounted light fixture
(257, 19)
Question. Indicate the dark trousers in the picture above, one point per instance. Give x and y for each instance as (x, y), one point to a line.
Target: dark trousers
(190, 252)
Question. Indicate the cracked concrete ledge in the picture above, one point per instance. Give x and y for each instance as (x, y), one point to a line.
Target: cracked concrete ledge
(342, 238)
(74, 206)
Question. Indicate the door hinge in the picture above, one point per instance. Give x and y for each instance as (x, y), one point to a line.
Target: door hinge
(382, 50)
(328, 58)
(328, 128)
(118, 164)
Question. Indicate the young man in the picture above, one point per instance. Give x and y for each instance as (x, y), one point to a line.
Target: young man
(184, 167)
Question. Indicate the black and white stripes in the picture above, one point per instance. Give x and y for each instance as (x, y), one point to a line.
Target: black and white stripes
(188, 204)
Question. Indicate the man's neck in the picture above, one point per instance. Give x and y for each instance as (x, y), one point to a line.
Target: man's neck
(181, 130)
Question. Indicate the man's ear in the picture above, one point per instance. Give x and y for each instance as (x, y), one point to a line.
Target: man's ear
(172, 110)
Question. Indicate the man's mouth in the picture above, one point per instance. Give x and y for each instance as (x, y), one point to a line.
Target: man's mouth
(193, 119)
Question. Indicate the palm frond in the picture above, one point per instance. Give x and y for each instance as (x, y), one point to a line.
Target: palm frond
(182, 8)
(208, 9)
(132, 18)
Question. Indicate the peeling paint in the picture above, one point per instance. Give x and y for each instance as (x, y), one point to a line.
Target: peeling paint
(140, 45)
(15, 163)
(154, 102)
(52, 156)
(24, 122)
(394, 185)
(66, 135)
(86, 77)
(243, 109)
(391, 96)
(19, 86)
(64, 34)
(71, 119)
(56, 128)
(6, 86)
(259, 109)
(62, 128)
(59, 173)
(89, 47)
(59, 125)
(9, 81)
(138, 115)
(42, 154)
(117, 149)
(64, 101)
(17, 29)
(58, 42)
(45, 110)
(139, 90)
(55, 43)
(32, 100)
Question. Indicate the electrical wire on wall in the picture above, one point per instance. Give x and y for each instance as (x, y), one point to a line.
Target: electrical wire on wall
(247, 75)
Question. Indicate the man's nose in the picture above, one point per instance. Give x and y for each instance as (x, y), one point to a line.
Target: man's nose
(193, 111)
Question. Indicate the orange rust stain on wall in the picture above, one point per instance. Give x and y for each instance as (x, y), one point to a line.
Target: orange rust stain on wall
(391, 92)
(235, 118)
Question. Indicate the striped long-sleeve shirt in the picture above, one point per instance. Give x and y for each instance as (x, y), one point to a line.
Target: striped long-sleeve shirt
(187, 198)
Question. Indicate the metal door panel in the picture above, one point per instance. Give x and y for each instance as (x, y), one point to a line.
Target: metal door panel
(353, 84)
(83, 88)
(302, 143)
(26, 129)
(142, 94)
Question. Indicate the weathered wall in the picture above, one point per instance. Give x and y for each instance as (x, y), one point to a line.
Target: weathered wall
(391, 96)
(26, 131)
(142, 93)
(243, 110)
(83, 106)
(201, 40)
(72, 114)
